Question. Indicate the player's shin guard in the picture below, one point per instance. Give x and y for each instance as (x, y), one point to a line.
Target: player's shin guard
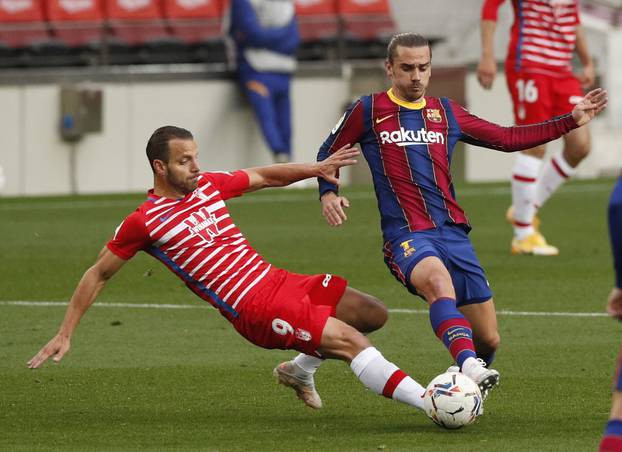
(451, 327)
(554, 173)
(385, 378)
(612, 438)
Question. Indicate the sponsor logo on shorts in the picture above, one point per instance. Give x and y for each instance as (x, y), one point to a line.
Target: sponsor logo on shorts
(303, 335)
(327, 279)
(407, 248)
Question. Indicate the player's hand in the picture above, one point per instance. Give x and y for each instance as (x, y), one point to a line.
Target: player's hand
(588, 76)
(614, 303)
(333, 207)
(327, 168)
(57, 348)
(593, 103)
(486, 71)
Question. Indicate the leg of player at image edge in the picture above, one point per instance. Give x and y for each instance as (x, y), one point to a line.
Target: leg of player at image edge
(370, 367)
(612, 438)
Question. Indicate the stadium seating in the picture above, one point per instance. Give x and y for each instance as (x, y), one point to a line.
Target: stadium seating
(198, 24)
(22, 24)
(76, 23)
(317, 20)
(318, 24)
(194, 21)
(136, 22)
(367, 26)
(69, 32)
(366, 20)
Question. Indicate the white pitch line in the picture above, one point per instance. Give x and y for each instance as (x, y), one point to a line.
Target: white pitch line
(283, 198)
(200, 306)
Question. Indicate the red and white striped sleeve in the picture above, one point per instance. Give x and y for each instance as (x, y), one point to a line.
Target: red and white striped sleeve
(130, 237)
(229, 184)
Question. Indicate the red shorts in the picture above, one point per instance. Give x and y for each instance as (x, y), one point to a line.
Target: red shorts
(537, 97)
(290, 310)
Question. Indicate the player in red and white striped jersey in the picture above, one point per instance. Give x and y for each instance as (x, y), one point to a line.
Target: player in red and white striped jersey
(185, 224)
(544, 36)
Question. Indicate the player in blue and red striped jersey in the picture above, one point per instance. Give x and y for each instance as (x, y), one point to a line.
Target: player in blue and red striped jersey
(408, 139)
(612, 437)
(185, 224)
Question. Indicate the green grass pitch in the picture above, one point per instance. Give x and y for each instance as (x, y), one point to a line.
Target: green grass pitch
(182, 379)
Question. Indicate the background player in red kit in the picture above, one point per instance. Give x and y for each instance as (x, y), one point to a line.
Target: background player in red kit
(185, 224)
(540, 80)
(408, 140)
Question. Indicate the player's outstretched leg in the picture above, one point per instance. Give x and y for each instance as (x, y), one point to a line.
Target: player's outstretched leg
(360, 310)
(341, 341)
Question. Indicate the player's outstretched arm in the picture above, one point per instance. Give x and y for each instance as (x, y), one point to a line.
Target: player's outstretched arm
(83, 297)
(593, 103)
(284, 174)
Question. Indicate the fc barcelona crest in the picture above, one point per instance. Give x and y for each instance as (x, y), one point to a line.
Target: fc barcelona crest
(434, 115)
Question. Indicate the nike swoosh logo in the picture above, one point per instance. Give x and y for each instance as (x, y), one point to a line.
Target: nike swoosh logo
(379, 120)
(163, 218)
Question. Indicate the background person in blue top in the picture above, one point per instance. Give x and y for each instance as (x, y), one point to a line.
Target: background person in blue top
(266, 38)
(612, 437)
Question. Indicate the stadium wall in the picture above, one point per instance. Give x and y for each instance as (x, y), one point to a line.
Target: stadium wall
(37, 162)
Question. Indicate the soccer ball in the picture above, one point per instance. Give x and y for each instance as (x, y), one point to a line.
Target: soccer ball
(452, 400)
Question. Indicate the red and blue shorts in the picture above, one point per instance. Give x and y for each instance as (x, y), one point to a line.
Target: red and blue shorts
(290, 310)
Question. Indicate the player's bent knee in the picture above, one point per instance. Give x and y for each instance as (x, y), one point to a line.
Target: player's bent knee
(377, 314)
(436, 286)
(362, 311)
(490, 341)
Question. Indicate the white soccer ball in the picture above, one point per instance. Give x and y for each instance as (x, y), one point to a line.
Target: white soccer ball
(453, 400)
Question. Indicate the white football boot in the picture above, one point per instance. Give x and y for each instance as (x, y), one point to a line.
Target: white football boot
(476, 370)
(304, 386)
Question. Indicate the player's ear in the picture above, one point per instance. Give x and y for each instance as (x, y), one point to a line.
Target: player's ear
(159, 167)
(388, 67)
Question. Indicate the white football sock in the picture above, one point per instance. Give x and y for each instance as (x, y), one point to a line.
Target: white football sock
(554, 173)
(524, 177)
(308, 364)
(385, 378)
